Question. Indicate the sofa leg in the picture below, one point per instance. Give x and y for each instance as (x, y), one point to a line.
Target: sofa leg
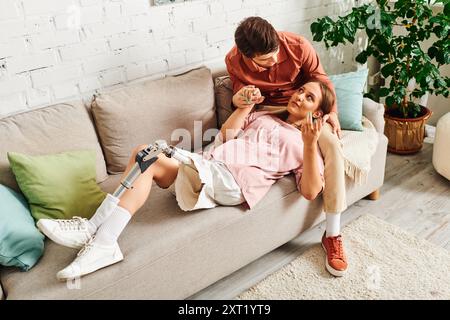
(374, 195)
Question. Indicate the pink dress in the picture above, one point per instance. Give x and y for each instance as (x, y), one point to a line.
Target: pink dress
(266, 150)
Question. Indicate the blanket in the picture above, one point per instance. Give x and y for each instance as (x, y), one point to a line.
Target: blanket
(358, 148)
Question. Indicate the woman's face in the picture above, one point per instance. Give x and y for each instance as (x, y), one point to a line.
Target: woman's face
(306, 99)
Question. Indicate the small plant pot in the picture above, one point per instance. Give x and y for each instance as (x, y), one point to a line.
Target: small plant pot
(406, 135)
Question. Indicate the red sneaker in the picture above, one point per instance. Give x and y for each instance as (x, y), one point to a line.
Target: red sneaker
(336, 261)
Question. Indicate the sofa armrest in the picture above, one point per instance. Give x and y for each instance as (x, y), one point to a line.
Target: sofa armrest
(374, 111)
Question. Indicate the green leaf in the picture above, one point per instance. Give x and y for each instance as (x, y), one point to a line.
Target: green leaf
(361, 57)
(419, 11)
(434, 71)
(421, 74)
(318, 37)
(410, 13)
(416, 52)
(447, 9)
(384, 92)
(388, 69)
(413, 29)
(432, 52)
(440, 57)
(403, 75)
(383, 47)
(438, 30)
(446, 57)
(439, 83)
(370, 33)
(349, 33)
(414, 110)
(390, 101)
(369, 95)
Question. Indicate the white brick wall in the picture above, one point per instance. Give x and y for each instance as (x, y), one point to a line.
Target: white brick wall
(56, 50)
(12, 48)
(9, 10)
(19, 64)
(53, 75)
(33, 7)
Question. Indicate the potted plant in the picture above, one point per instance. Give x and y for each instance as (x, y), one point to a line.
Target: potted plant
(412, 70)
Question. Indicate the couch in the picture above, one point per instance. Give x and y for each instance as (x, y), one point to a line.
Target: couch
(169, 254)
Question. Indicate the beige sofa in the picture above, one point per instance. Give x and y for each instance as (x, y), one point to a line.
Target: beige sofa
(168, 253)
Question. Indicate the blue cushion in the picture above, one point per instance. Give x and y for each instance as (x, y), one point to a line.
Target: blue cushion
(21, 243)
(349, 93)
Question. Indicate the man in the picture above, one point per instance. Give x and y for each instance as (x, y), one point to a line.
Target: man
(268, 67)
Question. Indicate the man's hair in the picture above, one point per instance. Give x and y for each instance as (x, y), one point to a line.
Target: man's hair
(328, 97)
(256, 36)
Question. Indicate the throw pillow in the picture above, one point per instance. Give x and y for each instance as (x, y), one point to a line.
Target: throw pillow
(349, 94)
(178, 109)
(223, 89)
(53, 129)
(58, 186)
(21, 243)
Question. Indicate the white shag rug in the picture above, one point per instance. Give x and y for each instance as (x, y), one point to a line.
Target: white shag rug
(384, 263)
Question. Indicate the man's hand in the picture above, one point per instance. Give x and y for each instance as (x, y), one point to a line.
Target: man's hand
(332, 119)
(311, 130)
(248, 96)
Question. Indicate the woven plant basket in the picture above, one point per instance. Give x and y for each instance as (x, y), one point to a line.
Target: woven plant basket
(406, 135)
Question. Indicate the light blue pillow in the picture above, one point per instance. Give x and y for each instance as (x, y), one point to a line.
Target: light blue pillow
(21, 243)
(349, 93)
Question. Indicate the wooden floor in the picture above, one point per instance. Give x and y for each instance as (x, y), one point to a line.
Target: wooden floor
(413, 197)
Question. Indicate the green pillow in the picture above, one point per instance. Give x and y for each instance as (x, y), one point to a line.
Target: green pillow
(58, 186)
(349, 94)
(21, 244)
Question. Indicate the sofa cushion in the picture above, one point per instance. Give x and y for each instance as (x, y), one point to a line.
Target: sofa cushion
(349, 89)
(58, 186)
(54, 129)
(21, 244)
(155, 109)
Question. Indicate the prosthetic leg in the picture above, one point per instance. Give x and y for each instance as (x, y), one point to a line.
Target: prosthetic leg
(145, 158)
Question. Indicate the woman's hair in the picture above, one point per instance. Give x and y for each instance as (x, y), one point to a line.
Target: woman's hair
(328, 97)
(254, 35)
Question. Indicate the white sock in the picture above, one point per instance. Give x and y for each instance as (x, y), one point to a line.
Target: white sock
(333, 222)
(110, 230)
(103, 212)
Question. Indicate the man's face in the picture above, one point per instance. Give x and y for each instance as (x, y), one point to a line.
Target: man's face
(266, 60)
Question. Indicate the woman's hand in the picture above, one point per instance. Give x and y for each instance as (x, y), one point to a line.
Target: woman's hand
(333, 120)
(311, 130)
(247, 97)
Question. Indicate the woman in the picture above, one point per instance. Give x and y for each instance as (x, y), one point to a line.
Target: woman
(252, 151)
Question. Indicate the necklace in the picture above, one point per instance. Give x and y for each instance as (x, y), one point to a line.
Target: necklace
(298, 126)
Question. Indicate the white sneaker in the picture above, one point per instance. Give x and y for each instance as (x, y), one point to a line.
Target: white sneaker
(73, 233)
(92, 257)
